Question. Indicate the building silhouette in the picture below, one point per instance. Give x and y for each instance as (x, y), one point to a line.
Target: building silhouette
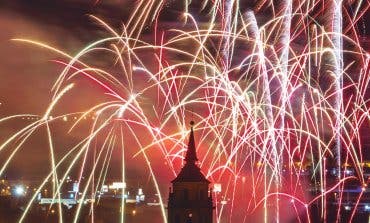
(190, 198)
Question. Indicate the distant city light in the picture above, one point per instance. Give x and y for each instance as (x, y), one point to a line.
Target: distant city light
(104, 188)
(217, 188)
(140, 192)
(117, 185)
(140, 196)
(19, 190)
(75, 187)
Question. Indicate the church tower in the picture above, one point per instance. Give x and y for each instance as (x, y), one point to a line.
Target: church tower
(190, 199)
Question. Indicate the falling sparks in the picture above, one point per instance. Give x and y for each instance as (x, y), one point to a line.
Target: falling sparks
(272, 100)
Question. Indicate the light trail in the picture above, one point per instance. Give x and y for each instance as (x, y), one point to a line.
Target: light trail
(272, 100)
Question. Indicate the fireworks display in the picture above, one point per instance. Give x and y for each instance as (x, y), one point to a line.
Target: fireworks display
(278, 91)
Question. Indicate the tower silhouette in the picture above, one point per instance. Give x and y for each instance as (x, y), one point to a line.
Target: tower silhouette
(190, 199)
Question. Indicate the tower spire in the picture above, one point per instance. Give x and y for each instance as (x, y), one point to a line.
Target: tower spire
(189, 199)
(191, 153)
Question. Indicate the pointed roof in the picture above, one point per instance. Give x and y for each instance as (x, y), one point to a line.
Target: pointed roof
(191, 153)
(190, 172)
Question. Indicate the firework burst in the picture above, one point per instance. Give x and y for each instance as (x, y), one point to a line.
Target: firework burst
(279, 101)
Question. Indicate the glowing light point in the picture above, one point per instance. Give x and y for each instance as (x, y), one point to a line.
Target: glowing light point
(133, 97)
(217, 188)
(19, 190)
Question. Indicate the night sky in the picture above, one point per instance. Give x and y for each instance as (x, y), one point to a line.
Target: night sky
(28, 73)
